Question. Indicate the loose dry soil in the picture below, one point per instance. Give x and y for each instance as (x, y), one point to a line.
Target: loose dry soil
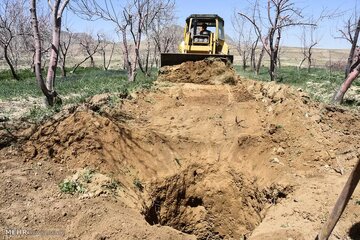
(211, 160)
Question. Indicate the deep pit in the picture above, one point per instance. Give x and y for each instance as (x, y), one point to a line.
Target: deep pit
(232, 210)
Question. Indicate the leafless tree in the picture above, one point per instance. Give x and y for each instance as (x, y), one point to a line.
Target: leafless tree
(48, 86)
(281, 14)
(65, 43)
(354, 68)
(44, 24)
(350, 32)
(13, 25)
(103, 48)
(308, 43)
(90, 46)
(245, 41)
(166, 38)
(141, 15)
(132, 21)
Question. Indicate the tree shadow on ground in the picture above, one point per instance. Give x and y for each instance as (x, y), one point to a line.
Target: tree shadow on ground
(354, 232)
(351, 102)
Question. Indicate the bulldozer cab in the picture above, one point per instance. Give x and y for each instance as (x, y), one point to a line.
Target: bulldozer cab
(197, 44)
(194, 24)
(194, 38)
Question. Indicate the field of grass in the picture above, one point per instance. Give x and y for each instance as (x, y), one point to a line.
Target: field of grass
(84, 83)
(25, 95)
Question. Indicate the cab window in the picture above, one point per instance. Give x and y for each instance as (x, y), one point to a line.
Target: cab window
(221, 30)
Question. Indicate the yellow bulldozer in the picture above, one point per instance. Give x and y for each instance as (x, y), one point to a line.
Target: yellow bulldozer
(204, 37)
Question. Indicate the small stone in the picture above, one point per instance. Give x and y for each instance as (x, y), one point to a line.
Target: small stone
(39, 163)
(275, 160)
(64, 214)
(97, 124)
(98, 145)
(25, 218)
(280, 151)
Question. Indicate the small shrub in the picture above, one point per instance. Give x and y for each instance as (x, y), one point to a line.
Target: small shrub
(71, 187)
(112, 185)
(138, 184)
(87, 175)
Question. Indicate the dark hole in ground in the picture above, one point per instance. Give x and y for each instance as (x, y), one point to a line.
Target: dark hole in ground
(152, 214)
(194, 202)
(182, 203)
(354, 232)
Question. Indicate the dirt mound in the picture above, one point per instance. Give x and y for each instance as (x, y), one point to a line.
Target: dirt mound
(215, 161)
(209, 71)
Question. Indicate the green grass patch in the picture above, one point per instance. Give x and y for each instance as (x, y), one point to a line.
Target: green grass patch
(75, 87)
(71, 187)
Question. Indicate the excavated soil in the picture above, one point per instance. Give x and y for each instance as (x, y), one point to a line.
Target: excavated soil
(186, 161)
(210, 71)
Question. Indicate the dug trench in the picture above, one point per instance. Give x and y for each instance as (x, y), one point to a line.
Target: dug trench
(198, 185)
(210, 160)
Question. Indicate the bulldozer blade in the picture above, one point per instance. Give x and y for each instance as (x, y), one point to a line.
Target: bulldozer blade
(170, 59)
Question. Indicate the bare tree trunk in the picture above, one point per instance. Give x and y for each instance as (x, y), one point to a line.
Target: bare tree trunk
(103, 51)
(37, 59)
(63, 69)
(244, 60)
(309, 60)
(272, 67)
(301, 63)
(78, 65)
(353, 47)
(92, 62)
(63, 64)
(274, 55)
(110, 57)
(131, 68)
(258, 66)
(8, 61)
(48, 87)
(64, 50)
(253, 55)
(54, 55)
(147, 58)
(339, 95)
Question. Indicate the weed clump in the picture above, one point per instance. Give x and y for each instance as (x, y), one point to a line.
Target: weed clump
(71, 187)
